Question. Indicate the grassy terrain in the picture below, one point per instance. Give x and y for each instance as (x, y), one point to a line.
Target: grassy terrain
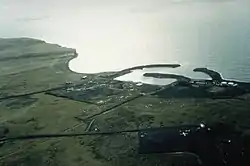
(29, 65)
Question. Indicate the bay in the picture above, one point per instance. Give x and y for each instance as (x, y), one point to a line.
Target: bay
(111, 35)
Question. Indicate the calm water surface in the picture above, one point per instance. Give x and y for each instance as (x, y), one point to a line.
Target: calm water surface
(112, 35)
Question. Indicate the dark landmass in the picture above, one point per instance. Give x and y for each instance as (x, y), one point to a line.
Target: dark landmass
(40, 95)
(234, 86)
(193, 91)
(213, 74)
(114, 91)
(186, 87)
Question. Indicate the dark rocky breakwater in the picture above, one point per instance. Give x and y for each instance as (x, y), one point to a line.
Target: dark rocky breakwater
(217, 87)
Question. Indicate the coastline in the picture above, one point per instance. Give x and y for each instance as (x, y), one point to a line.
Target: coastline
(98, 101)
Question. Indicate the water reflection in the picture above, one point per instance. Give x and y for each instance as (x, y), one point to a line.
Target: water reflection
(113, 35)
(137, 75)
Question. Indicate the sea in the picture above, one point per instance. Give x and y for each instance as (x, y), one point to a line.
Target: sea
(112, 35)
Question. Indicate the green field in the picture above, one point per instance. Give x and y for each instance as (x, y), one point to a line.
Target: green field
(30, 69)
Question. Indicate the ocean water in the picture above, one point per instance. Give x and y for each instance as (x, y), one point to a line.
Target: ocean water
(111, 35)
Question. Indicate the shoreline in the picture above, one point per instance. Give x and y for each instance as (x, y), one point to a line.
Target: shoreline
(98, 104)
